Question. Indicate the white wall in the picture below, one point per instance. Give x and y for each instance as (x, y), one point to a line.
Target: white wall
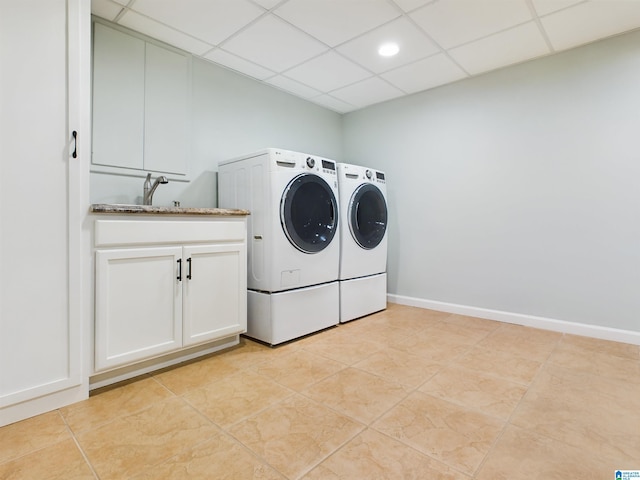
(519, 190)
(515, 191)
(232, 115)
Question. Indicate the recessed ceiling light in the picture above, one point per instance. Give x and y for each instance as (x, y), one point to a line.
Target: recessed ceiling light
(388, 49)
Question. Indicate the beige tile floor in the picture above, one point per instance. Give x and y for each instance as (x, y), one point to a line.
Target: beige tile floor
(403, 394)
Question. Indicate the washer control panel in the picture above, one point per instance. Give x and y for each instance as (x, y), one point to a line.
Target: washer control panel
(329, 166)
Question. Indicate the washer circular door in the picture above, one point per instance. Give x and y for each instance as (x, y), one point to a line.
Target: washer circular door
(367, 216)
(309, 213)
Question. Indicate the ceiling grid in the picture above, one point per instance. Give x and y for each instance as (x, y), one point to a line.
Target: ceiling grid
(325, 50)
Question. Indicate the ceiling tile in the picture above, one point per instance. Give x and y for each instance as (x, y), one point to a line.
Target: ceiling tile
(238, 64)
(209, 20)
(328, 72)
(591, 21)
(408, 5)
(156, 30)
(105, 9)
(336, 21)
(268, 4)
(511, 46)
(274, 44)
(367, 92)
(428, 73)
(287, 43)
(454, 22)
(294, 87)
(333, 103)
(543, 7)
(411, 40)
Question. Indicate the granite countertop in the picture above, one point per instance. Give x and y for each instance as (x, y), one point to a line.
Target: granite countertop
(150, 209)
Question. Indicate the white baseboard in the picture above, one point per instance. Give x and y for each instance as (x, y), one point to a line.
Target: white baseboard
(574, 328)
(43, 404)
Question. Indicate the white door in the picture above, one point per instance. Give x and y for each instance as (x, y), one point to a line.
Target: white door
(138, 304)
(214, 292)
(44, 52)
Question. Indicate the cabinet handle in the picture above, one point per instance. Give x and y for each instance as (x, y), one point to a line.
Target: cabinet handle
(189, 268)
(75, 144)
(180, 269)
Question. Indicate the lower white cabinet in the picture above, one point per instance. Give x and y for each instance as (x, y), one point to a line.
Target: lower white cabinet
(211, 297)
(138, 304)
(152, 300)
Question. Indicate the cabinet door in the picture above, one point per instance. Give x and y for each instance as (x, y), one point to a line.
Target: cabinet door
(165, 122)
(42, 57)
(138, 304)
(118, 98)
(215, 295)
(141, 104)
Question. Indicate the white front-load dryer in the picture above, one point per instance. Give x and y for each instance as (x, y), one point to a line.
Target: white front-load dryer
(363, 241)
(293, 241)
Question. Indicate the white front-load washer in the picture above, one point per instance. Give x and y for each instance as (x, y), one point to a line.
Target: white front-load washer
(363, 241)
(293, 242)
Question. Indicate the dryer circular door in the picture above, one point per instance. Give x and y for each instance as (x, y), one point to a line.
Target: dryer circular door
(309, 213)
(367, 216)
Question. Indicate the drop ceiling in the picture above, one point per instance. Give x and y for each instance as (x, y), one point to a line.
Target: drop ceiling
(325, 51)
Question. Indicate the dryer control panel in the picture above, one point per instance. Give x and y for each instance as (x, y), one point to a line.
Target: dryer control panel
(374, 176)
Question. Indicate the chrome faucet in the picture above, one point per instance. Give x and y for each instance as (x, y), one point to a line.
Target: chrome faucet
(149, 189)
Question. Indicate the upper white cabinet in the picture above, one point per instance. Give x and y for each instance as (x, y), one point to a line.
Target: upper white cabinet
(141, 104)
(45, 62)
(118, 98)
(166, 90)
